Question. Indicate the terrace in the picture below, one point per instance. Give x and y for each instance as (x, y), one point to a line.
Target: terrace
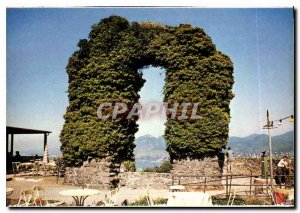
(235, 189)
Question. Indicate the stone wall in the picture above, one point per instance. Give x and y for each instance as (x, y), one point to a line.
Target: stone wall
(103, 174)
(184, 170)
(246, 166)
(97, 173)
(143, 180)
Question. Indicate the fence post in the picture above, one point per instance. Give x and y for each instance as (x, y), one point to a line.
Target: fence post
(204, 184)
(267, 184)
(172, 180)
(251, 183)
(226, 186)
(286, 178)
(230, 183)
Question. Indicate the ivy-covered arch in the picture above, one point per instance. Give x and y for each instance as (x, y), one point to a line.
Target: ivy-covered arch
(105, 68)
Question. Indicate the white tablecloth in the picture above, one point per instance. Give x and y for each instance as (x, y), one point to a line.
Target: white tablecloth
(79, 192)
(199, 199)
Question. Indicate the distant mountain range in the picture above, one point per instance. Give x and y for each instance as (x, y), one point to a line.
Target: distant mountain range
(150, 151)
(257, 143)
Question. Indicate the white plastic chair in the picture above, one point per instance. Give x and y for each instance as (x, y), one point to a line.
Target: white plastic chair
(40, 196)
(271, 194)
(231, 197)
(290, 198)
(111, 201)
(27, 198)
(150, 200)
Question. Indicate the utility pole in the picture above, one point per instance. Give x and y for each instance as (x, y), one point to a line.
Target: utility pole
(269, 126)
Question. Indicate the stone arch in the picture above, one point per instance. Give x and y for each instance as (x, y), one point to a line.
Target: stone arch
(105, 68)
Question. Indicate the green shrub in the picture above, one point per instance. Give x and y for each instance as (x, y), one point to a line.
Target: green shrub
(165, 167)
(224, 201)
(143, 201)
(160, 201)
(129, 166)
(252, 200)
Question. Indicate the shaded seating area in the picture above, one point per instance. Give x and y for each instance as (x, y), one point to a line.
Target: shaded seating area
(27, 165)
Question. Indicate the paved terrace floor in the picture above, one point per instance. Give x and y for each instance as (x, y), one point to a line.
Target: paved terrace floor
(52, 189)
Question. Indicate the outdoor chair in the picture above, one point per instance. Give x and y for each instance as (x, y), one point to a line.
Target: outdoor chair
(26, 198)
(111, 201)
(232, 193)
(41, 199)
(150, 200)
(35, 169)
(271, 194)
(47, 169)
(290, 198)
(15, 167)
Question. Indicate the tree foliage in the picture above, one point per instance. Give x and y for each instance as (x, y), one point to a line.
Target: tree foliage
(165, 167)
(105, 68)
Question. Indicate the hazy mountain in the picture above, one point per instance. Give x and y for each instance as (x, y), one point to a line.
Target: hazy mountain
(150, 151)
(258, 143)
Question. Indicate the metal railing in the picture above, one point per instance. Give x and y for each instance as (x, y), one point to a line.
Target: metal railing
(208, 179)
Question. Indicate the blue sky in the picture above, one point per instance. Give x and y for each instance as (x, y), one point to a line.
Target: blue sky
(40, 41)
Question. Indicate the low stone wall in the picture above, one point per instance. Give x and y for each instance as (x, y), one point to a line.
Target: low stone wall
(189, 172)
(103, 174)
(246, 166)
(143, 180)
(97, 173)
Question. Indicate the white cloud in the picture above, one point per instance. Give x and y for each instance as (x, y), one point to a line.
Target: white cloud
(154, 127)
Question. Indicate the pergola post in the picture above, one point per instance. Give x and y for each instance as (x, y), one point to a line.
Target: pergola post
(45, 140)
(46, 154)
(12, 145)
(6, 143)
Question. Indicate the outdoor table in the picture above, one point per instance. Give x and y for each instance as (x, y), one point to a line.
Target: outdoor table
(189, 199)
(79, 195)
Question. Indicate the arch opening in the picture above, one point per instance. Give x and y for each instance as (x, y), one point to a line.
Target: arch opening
(150, 150)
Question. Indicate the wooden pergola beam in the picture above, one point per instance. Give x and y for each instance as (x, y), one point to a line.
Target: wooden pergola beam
(11, 131)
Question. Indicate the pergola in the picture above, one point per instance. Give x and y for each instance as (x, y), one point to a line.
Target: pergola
(11, 131)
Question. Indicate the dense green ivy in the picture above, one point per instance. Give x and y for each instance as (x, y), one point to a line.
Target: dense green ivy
(106, 67)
